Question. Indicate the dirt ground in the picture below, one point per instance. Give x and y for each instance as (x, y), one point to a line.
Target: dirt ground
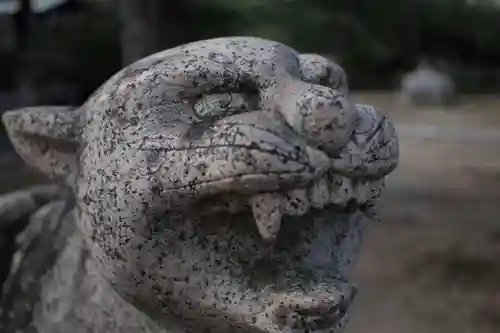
(433, 264)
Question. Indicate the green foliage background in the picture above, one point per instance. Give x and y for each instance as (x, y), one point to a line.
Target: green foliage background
(375, 41)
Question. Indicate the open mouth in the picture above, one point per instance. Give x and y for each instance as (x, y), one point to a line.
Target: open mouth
(268, 168)
(269, 207)
(256, 159)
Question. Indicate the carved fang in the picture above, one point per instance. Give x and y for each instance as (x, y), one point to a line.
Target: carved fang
(267, 213)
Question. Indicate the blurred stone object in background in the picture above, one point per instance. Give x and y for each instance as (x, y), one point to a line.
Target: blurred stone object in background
(427, 86)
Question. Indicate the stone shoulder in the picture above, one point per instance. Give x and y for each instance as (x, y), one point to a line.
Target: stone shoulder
(40, 217)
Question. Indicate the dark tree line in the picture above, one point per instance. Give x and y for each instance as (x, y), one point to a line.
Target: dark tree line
(374, 40)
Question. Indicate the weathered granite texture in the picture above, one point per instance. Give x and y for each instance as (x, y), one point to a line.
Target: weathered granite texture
(427, 86)
(219, 186)
(15, 211)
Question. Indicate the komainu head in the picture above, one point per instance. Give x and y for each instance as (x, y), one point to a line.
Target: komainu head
(221, 185)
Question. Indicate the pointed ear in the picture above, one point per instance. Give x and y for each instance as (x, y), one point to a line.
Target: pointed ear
(47, 138)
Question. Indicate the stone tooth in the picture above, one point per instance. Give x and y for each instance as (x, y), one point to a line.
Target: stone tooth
(376, 188)
(341, 190)
(365, 191)
(319, 194)
(362, 191)
(296, 202)
(267, 212)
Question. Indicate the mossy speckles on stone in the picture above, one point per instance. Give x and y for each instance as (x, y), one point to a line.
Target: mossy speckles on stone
(221, 186)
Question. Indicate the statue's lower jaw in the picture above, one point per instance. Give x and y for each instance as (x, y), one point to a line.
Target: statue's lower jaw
(289, 285)
(271, 313)
(317, 311)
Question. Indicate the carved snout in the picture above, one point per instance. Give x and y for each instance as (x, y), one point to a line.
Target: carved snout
(322, 115)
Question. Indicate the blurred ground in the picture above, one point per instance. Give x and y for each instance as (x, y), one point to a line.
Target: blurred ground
(432, 265)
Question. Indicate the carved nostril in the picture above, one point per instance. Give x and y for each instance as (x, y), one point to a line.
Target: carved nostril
(319, 126)
(329, 123)
(322, 115)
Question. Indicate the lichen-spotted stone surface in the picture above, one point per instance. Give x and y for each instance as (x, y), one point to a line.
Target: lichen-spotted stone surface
(220, 186)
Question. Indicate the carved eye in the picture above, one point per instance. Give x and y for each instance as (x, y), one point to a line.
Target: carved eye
(223, 105)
